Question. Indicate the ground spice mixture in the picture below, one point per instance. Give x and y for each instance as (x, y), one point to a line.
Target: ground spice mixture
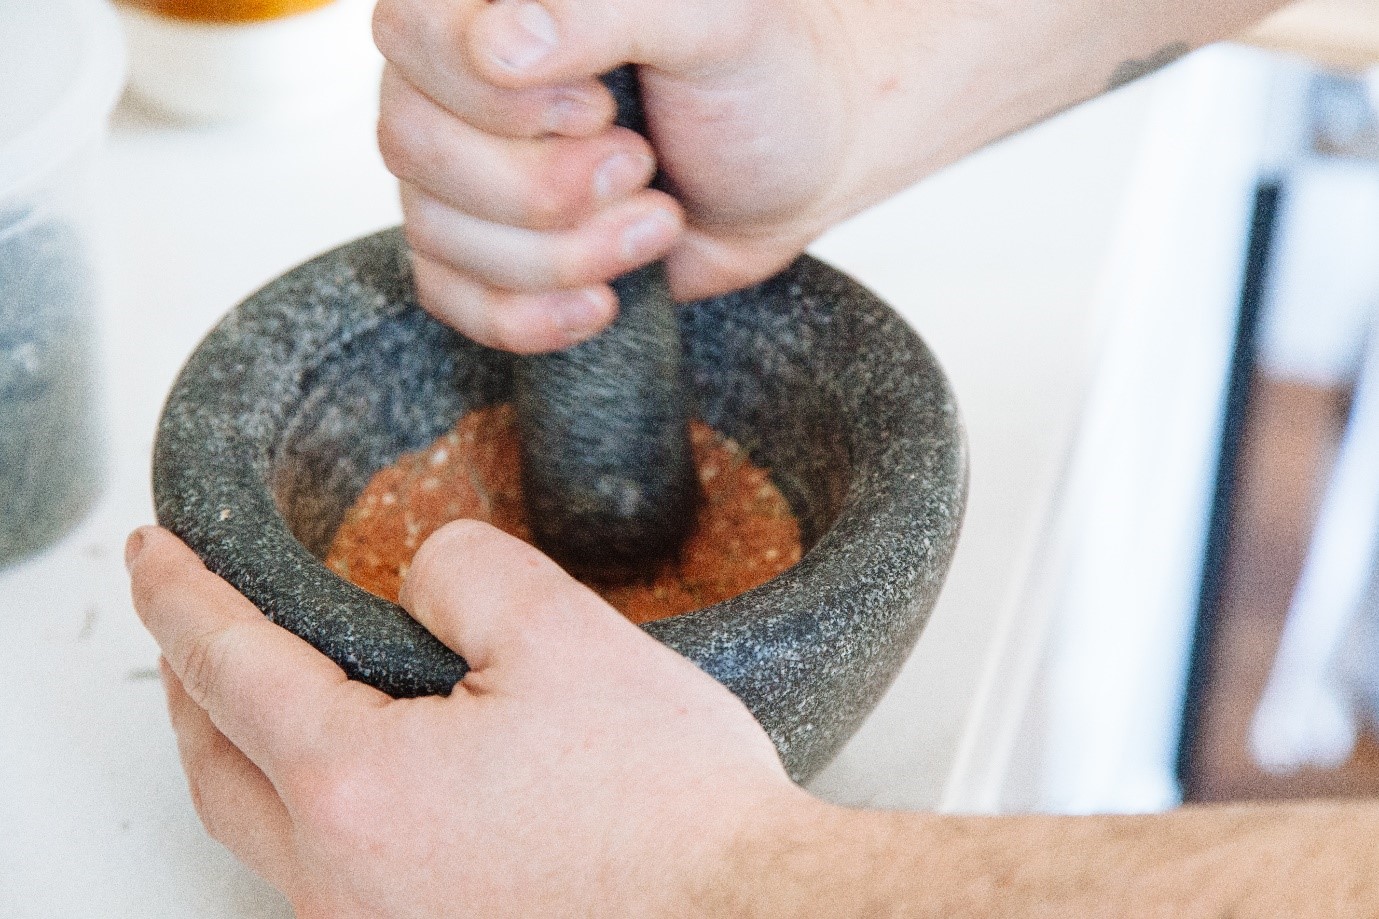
(745, 533)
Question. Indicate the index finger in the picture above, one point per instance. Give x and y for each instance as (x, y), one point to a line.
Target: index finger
(422, 40)
(269, 692)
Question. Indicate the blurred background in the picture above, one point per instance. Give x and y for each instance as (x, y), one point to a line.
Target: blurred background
(1206, 593)
(1156, 310)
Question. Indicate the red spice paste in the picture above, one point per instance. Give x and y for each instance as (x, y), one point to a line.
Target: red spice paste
(745, 533)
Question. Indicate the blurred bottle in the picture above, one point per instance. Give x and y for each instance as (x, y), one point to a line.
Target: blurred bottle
(64, 63)
(240, 60)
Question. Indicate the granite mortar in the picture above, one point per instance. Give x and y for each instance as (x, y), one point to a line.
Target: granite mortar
(292, 402)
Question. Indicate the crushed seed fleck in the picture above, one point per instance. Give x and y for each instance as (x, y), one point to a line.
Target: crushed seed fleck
(745, 533)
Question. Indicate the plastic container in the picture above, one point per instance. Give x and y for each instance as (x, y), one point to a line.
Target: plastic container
(197, 67)
(64, 69)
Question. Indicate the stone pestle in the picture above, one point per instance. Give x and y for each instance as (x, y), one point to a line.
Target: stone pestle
(606, 461)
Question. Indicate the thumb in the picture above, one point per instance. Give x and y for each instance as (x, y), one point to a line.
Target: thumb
(523, 43)
(502, 604)
(707, 261)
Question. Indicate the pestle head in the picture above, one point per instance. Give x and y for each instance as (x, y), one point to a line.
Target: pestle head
(606, 461)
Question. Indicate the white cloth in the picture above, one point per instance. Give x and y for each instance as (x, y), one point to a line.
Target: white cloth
(1325, 279)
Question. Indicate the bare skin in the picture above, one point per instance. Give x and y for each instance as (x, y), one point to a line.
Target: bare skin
(583, 769)
(509, 797)
(773, 120)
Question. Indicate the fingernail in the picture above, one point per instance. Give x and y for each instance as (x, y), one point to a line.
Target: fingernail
(644, 240)
(581, 314)
(525, 35)
(571, 113)
(132, 547)
(621, 173)
(564, 115)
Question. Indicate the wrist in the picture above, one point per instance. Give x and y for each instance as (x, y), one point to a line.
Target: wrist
(781, 859)
(937, 81)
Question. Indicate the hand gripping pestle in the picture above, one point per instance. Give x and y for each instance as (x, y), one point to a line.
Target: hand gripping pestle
(606, 461)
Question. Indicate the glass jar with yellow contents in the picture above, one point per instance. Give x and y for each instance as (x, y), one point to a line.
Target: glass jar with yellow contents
(228, 10)
(229, 60)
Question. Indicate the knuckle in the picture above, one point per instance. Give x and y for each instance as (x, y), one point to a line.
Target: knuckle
(430, 287)
(519, 332)
(445, 294)
(435, 291)
(449, 293)
(405, 141)
(389, 28)
(557, 190)
(200, 776)
(408, 155)
(506, 113)
(574, 263)
(203, 662)
(482, 320)
(393, 141)
(335, 801)
(550, 204)
(423, 236)
(207, 658)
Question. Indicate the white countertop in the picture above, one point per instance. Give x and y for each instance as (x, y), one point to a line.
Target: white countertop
(995, 261)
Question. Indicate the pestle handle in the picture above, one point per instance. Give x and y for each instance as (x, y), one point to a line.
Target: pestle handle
(606, 460)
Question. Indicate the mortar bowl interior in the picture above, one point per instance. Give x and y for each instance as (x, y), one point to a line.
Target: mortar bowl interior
(289, 406)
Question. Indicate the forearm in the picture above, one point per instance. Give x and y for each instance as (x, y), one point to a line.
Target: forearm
(1295, 861)
(947, 77)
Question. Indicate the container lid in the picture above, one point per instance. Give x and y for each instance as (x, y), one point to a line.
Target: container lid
(63, 71)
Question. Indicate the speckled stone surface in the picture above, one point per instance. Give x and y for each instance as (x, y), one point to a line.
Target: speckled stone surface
(607, 468)
(288, 407)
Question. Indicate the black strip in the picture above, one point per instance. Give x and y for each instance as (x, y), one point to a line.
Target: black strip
(1243, 360)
